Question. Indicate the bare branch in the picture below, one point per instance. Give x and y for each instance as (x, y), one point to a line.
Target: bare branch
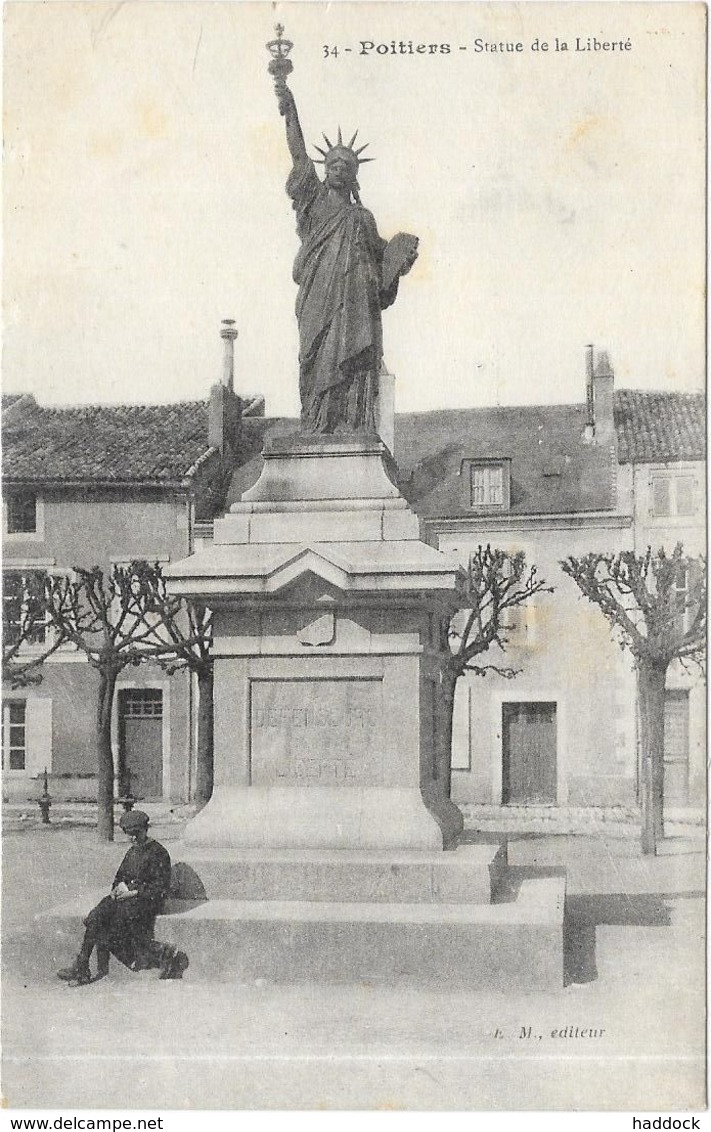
(481, 670)
(494, 581)
(653, 627)
(27, 640)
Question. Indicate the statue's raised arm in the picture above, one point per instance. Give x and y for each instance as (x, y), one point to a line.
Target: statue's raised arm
(279, 67)
(346, 274)
(294, 134)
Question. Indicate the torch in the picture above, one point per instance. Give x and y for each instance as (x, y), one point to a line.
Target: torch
(280, 65)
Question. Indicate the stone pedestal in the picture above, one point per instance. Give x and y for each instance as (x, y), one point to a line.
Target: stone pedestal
(320, 851)
(326, 607)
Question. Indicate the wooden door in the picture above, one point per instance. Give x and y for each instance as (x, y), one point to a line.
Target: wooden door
(141, 740)
(529, 753)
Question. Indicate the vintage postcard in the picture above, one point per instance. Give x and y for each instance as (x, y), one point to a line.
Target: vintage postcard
(354, 522)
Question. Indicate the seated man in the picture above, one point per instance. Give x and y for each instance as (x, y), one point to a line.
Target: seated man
(122, 923)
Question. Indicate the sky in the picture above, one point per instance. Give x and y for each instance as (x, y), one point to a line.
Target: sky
(558, 195)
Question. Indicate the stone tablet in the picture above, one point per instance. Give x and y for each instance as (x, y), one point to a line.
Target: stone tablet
(316, 733)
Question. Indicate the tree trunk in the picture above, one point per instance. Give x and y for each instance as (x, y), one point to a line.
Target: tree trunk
(443, 734)
(105, 759)
(651, 684)
(205, 729)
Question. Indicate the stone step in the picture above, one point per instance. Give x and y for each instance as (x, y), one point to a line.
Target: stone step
(515, 945)
(470, 875)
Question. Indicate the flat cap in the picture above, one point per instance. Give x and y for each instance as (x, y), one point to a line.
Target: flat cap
(134, 819)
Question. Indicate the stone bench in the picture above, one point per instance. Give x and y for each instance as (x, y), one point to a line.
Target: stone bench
(516, 945)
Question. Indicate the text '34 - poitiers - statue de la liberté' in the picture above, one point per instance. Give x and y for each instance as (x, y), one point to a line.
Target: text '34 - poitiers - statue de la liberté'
(346, 274)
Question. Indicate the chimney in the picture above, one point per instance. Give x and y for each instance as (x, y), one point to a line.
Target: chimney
(590, 417)
(603, 407)
(225, 407)
(599, 390)
(228, 335)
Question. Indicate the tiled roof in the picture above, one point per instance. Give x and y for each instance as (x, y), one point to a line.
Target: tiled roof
(9, 399)
(658, 427)
(553, 469)
(149, 444)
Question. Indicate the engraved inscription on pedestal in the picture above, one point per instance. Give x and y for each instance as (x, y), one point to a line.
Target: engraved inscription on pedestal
(316, 732)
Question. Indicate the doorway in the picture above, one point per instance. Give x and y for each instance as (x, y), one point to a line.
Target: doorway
(529, 748)
(140, 719)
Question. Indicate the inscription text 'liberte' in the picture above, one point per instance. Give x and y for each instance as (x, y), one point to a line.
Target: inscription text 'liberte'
(308, 717)
(316, 733)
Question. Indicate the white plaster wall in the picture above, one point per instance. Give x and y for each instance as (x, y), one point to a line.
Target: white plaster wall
(565, 654)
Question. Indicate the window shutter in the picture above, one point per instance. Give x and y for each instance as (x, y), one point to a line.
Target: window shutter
(495, 486)
(39, 735)
(695, 589)
(512, 619)
(530, 620)
(661, 496)
(685, 495)
(461, 728)
(478, 487)
(695, 575)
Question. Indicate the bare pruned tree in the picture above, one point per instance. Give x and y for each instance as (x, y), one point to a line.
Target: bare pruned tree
(110, 618)
(494, 582)
(655, 604)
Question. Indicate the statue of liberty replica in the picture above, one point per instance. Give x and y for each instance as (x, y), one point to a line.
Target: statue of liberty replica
(346, 275)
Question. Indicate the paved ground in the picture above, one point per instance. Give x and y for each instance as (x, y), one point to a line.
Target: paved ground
(634, 973)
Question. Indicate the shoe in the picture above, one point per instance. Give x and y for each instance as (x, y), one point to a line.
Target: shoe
(84, 978)
(175, 967)
(167, 956)
(78, 970)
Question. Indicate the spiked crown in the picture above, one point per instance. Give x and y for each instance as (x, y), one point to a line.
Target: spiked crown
(341, 150)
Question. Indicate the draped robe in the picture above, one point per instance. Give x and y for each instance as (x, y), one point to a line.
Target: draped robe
(339, 274)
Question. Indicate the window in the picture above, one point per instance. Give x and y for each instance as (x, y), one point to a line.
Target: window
(488, 484)
(486, 487)
(129, 604)
(686, 594)
(520, 624)
(513, 619)
(676, 748)
(14, 734)
(22, 513)
(23, 613)
(673, 495)
(681, 589)
(139, 703)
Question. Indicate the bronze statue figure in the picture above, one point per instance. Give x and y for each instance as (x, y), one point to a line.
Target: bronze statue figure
(346, 274)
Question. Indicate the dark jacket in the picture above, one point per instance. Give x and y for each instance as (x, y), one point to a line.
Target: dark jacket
(125, 927)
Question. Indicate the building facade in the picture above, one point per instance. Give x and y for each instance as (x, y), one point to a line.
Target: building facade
(662, 484)
(102, 486)
(622, 470)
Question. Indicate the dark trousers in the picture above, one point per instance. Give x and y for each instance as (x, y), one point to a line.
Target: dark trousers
(123, 928)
